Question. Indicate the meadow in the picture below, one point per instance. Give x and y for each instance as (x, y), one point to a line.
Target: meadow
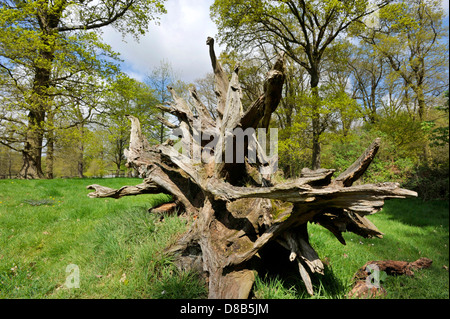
(117, 247)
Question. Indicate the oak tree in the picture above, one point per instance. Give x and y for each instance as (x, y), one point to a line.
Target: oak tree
(51, 51)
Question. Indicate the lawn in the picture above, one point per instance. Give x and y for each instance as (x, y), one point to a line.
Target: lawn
(47, 226)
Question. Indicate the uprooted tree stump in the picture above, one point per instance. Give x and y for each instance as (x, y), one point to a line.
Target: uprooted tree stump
(239, 209)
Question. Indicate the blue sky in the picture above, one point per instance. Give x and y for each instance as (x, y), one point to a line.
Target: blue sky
(179, 39)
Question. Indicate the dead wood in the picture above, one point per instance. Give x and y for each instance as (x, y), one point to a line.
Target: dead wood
(239, 208)
(365, 288)
(394, 267)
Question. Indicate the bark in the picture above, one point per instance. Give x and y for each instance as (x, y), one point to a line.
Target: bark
(236, 219)
(80, 153)
(39, 102)
(316, 122)
(50, 158)
(32, 151)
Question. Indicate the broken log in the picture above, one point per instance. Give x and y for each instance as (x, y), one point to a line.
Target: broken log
(238, 207)
(365, 288)
(393, 267)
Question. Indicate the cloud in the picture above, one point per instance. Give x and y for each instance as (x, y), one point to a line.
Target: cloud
(179, 39)
(445, 5)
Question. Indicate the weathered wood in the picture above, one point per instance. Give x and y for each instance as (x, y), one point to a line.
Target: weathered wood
(144, 188)
(202, 111)
(239, 208)
(393, 267)
(221, 79)
(364, 288)
(272, 90)
(297, 242)
(259, 112)
(231, 116)
(167, 208)
(357, 169)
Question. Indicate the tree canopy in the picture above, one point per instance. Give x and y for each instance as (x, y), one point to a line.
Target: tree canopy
(53, 63)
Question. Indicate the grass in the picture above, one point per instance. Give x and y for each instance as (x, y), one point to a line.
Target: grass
(47, 225)
(116, 244)
(412, 229)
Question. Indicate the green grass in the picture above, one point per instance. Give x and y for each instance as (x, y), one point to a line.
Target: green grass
(412, 229)
(46, 225)
(116, 244)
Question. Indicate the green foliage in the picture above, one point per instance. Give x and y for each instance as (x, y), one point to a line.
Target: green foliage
(439, 134)
(54, 65)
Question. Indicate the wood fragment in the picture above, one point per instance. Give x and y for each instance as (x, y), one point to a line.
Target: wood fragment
(144, 188)
(357, 169)
(363, 286)
(221, 79)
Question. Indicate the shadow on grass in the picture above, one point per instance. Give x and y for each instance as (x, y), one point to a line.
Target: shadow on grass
(280, 278)
(416, 212)
(174, 284)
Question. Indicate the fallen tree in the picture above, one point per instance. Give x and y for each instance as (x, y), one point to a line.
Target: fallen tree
(225, 182)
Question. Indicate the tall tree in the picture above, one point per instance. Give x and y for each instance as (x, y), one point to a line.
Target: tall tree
(160, 79)
(126, 96)
(413, 39)
(47, 46)
(368, 73)
(293, 26)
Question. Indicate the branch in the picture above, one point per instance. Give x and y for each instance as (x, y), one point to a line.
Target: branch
(267, 103)
(357, 169)
(144, 188)
(233, 107)
(202, 111)
(99, 22)
(166, 122)
(221, 79)
(364, 199)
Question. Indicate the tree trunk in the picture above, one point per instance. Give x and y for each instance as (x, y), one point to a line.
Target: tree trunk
(316, 122)
(39, 104)
(32, 152)
(80, 153)
(49, 158)
(40, 101)
(236, 219)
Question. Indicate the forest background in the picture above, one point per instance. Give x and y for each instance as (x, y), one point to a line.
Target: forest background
(356, 70)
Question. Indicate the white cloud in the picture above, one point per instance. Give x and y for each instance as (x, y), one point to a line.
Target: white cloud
(445, 5)
(179, 39)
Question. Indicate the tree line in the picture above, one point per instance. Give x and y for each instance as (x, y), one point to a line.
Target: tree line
(355, 70)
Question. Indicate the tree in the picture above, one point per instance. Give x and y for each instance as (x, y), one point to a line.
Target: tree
(236, 208)
(48, 50)
(292, 26)
(126, 96)
(159, 80)
(368, 72)
(412, 38)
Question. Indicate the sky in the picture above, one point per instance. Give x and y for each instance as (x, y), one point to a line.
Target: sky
(179, 39)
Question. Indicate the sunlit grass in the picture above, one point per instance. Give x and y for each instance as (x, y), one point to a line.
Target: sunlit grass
(117, 245)
(412, 229)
